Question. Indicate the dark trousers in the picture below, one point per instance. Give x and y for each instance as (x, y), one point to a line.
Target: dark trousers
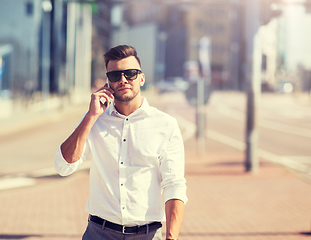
(95, 231)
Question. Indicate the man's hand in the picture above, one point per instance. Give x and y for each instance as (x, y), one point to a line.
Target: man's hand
(97, 108)
(72, 148)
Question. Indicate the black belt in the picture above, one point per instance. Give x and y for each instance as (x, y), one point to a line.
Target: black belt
(126, 230)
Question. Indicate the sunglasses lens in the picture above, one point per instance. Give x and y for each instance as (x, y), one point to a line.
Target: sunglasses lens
(114, 76)
(130, 74)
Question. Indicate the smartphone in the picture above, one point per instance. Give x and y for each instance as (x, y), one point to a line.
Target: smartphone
(103, 100)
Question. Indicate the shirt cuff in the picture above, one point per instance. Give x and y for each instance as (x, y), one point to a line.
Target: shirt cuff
(177, 193)
(62, 166)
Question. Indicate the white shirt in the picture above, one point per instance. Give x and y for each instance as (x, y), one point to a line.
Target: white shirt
(133, 160)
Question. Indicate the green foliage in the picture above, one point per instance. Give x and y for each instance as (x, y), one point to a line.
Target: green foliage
(92, 3)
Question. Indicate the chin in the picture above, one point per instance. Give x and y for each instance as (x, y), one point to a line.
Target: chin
(126, 98)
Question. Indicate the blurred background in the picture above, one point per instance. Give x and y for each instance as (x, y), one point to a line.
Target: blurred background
(236, 74)
(51, 57)
(55, 47)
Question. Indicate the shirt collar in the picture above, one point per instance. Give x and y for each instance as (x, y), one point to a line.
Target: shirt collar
(144, 109)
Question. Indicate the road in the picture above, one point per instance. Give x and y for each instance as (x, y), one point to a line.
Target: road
(221, 195)
(284, 124)
(33, 148)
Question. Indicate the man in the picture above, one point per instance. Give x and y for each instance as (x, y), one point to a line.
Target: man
(136, 154)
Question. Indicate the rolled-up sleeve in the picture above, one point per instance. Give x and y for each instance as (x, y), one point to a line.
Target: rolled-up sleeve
(172, 166)
(63, 167)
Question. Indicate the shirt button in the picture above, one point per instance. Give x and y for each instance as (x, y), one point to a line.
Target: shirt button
(124, 140)
(123, 208)
(121, 162)
(121, 184)
(127, 119)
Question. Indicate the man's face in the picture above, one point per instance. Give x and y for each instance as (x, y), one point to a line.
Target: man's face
(125, 90)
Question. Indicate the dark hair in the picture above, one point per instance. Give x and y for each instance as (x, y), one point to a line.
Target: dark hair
(120, 52)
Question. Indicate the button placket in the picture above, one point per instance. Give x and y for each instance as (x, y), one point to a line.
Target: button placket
(122, 162)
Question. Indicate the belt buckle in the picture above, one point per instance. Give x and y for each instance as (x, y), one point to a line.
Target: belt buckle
(123, 229)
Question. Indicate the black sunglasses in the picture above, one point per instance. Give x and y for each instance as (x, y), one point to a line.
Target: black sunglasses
(129, 74)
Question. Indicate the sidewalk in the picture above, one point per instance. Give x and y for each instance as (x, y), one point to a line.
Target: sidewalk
(224, 202)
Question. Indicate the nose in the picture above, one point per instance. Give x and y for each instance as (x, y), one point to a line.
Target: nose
(123, 80)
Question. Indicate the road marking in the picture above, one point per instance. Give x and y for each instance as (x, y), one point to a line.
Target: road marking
(51, 171)
(225, 139)
(8, 183)
(285, 161)
(29, 179)
(282, 127)
(189, 127)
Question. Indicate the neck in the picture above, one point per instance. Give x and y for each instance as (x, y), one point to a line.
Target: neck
(126, 108)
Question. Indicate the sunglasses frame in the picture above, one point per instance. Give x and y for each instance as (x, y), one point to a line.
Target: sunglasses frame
(138, 71)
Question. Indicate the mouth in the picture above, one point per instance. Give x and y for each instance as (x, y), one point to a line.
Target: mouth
(121, 89)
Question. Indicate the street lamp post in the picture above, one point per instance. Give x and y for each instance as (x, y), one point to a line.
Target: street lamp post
(45, 51)
(252, 12)
(161, 57)
(204, 58)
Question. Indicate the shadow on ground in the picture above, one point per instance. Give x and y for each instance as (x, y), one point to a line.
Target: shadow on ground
(25, 236)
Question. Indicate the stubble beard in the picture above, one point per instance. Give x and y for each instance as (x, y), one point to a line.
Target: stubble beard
(125, 98)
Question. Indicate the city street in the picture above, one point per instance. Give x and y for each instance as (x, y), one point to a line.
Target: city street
(284, 124)
(247, 149)
(224, 201)
(284, 128)
(34, 147)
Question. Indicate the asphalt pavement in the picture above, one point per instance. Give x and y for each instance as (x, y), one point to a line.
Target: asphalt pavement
(225, 202)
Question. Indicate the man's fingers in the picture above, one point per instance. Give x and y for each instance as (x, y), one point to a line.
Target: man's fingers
(105, 102)
(102, 97)
(104, 94)
(108, 96)
(105, 88)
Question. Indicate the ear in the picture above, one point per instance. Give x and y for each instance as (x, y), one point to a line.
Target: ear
(142, 80)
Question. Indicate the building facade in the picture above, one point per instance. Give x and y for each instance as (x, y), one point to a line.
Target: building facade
(185, 23)
(50, 43)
